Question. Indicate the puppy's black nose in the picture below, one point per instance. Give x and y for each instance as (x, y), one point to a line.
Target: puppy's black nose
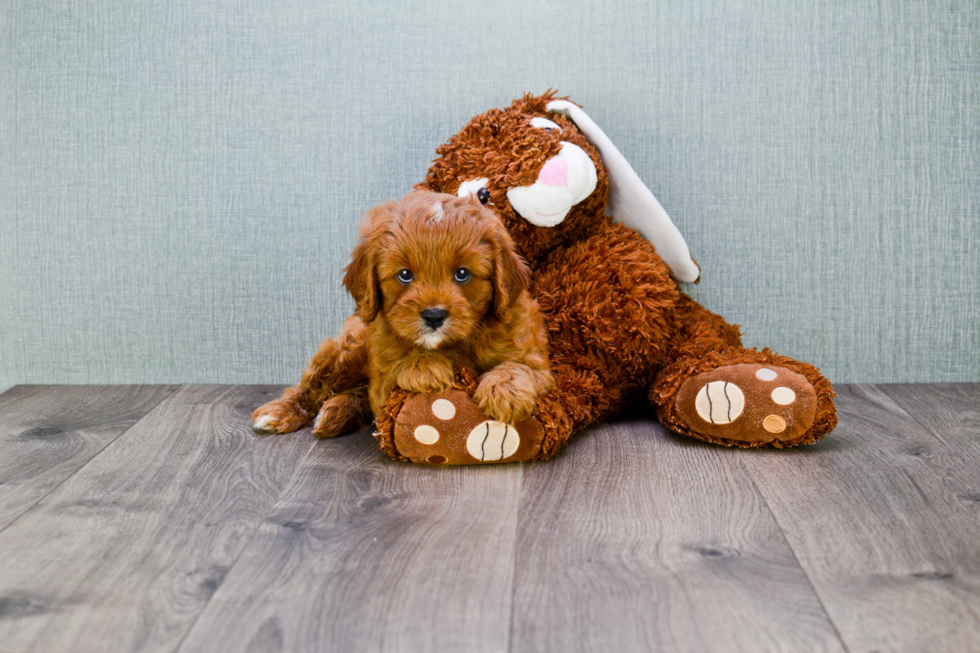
(434, 317)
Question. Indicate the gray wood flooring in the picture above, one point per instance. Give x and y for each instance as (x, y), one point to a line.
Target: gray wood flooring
(149, 518)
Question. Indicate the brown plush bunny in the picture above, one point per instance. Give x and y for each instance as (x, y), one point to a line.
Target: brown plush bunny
(621, 330)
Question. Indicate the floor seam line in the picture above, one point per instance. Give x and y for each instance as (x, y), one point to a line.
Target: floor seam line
(942, 437)
(89, 461)
(513, 575)
(251, 538)
(799, 564)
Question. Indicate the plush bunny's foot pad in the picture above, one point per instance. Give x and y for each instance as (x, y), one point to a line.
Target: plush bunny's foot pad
(748, 404)
(450, 429)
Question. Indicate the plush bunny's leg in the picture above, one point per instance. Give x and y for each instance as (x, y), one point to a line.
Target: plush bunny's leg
(717, 391)
(338, 366)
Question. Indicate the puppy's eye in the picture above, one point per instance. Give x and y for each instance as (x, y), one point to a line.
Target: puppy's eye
(405, 276)
(483, 195)
(462, 275)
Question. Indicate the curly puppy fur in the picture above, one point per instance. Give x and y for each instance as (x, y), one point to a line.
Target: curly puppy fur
(428, 252)
(332, 390)
(438, 282)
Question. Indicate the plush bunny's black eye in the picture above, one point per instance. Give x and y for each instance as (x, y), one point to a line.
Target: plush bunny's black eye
(462, 275)
(405, 276)
(483, 195)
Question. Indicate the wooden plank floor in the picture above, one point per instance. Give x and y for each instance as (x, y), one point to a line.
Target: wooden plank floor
(151, 519)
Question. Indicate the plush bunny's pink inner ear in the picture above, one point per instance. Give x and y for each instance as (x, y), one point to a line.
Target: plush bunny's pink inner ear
(630, 201)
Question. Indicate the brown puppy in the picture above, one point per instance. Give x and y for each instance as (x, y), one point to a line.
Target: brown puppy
(439, 285)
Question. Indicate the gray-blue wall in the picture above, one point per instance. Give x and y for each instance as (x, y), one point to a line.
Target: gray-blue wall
(181, 180)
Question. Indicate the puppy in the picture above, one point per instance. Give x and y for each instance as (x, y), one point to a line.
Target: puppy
(438, 284)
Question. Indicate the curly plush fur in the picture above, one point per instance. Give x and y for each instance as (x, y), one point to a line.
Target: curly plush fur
(620, 329)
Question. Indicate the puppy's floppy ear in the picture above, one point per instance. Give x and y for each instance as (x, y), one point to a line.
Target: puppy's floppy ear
(360, 275)
(630, 201)
(511, 275)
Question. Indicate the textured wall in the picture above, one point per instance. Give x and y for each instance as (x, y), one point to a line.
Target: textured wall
(180, 180)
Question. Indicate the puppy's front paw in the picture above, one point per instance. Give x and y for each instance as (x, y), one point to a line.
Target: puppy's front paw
(279, 416)
(507, 393)
(431, 378)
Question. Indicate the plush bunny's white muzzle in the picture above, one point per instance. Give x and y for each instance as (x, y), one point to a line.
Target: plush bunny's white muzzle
(564, 181)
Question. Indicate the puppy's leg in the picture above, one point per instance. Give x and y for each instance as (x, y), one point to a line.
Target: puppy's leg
(509, 392)
(285, 414)
(339, 365)
(343, 413)
(425, 372)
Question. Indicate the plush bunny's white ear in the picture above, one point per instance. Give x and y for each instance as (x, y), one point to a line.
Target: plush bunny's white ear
(630, 201)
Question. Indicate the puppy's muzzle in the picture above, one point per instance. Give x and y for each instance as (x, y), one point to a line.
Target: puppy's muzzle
(434, 317)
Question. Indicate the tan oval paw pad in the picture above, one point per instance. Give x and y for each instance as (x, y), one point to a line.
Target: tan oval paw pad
(783, 396)
(774, 424)
(444, 409)
(765, 374)
(426, 434)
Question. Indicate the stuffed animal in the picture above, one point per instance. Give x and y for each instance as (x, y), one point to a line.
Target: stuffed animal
(606, 263)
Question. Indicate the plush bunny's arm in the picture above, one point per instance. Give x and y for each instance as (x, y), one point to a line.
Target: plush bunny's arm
(630, 201)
